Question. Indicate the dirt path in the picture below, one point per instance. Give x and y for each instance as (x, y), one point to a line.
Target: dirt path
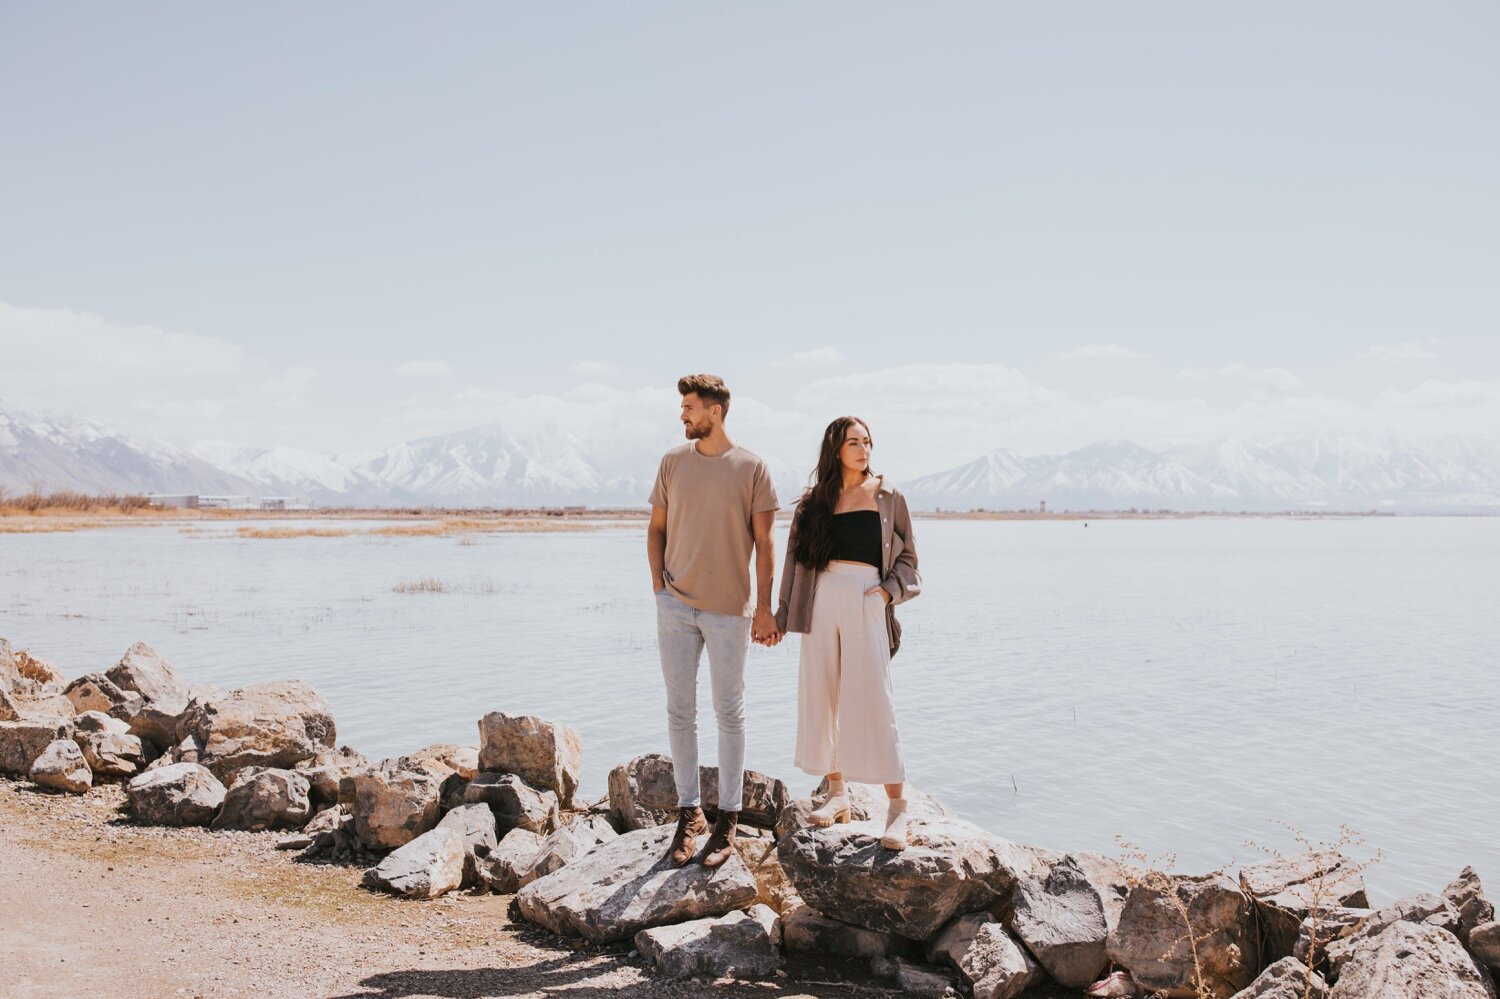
(91, 904)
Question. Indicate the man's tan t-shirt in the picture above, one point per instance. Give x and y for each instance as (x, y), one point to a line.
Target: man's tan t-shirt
(709, 502)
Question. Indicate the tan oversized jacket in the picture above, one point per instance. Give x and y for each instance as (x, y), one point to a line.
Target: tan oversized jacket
(898, 571)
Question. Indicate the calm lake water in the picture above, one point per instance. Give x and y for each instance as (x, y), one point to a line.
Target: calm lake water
(1185, 685)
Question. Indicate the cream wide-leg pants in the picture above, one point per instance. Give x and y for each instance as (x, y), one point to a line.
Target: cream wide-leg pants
(846, 714)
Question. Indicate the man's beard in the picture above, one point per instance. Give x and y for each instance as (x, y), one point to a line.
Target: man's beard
(696, 432)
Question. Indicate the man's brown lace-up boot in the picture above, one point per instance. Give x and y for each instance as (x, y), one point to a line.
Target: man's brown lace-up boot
(721, 841)
(690, 825)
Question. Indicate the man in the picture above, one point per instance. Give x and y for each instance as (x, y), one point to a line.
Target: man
(711, 503)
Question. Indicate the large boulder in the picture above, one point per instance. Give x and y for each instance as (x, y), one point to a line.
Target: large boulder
(739, 945)
(501, 871)
(1412, 961)
(143, 671)
(97, 692)
(263, 725)
(328, 768)
(568, 843)
(265, 799)
(805, 929)
(921, 980)
(948, 868)
(1215, 948)
(39, 673)
(392, 808)
(1466, 895)
(1424, 908)
(544, 754)
(757, 848)
(629, 885)
(428, 866)
(61, 767)
(1484, 944)
(1064, 915)
(476, 824)
(180, 794)
(867, 803)
(1317, 931)
(1288, 978)
(23, 740)
(992, 961)
(516, 804)
(643, 793)
(1287, 890)
(442, 760)
(111, 754)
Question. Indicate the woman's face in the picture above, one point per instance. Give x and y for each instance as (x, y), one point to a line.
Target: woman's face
(854, 453)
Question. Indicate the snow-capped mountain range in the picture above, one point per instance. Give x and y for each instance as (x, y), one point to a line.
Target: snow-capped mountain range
(491, 466)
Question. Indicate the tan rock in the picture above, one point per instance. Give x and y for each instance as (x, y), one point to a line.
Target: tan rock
(737, 945)
(111, 754)
(1152, 940)
(393, 808)
(23, 740)
(429, 866)
(61, 767)
(263, 799)
(516, 804)
(265, 725)
(180, 794)
(97, 692)
(643, 793)
(1413, 961)
(544, 754)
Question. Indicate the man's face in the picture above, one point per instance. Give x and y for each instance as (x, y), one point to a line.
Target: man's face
(697, 417)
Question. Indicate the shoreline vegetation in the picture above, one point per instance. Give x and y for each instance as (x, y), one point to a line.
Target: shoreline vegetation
(35, 512)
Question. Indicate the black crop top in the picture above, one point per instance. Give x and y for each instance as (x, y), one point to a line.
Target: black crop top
(856, 537)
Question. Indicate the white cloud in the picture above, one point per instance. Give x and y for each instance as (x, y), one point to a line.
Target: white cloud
(1410, 350)
(812, 358)
(425, 369)
(1263, 380)
(594, 369)
(1432, 393)
(1099, 352)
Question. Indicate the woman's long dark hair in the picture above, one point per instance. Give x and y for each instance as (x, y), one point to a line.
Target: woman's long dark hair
(813, 523)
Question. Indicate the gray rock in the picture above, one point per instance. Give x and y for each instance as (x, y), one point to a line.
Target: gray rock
(806, 930)
(759, 854)
(1065, 916)
(97, 692)
(1287, 890)
(544, 754)
(23, 740)
(501, 871)
(263, 725)
(180, 794)
(568, 843)
(739, 945)
(950, 867)
(1153, 941)
(98, 721)
(1288, 978)
(914, 979)
(143, 671)
(1484, 944)
(393, 808)
(476, 824)
(1315, 934)
(993, 962)
(61, 767)
(27, 674)
(265, 799)
(866, 804)
(327, 769)
(428, 866)
(516, 804)
(111, 755)
(1466, 895)
(643, 793)
(629, 885)
(443, 760)
(1412, 961)
(1425, 908)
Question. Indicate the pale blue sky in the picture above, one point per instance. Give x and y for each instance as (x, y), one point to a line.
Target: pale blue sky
(343, 224)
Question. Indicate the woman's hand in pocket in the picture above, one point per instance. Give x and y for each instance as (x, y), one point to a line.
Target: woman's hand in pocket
(885, 594)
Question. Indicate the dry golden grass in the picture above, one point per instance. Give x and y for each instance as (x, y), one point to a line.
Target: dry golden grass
(432, 584)
(293, 532)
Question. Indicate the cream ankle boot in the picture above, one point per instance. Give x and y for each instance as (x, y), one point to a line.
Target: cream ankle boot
(835, 807)
(895, 825)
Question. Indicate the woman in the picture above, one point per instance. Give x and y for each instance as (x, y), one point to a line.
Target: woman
(849, 559)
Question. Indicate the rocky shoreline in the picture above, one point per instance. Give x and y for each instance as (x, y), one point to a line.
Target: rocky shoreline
(960, 911)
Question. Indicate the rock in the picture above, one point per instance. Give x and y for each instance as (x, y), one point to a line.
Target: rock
(23, 740)
(428, 866)
(61, 767)
(38, 671)
(915, 979)
(10, 708)
(1286, 890)
(143, 671)
(567, 844)
(994, 964)
(501, 871)
(1065, 916)
(327, 769)
(98, 721)
(866, 803)
(265, 799)
(111, 754)
(1330, 925)
(629, 885)
(1425, 908)
(393, 808)
(1412, 961)
(739, 945)
(1152, 940)
(97, 692)
(1484, 944)
(180, 794)
(515, 803)
(544, 754)
(442, 760)
(476, 824)
(950, 867)
(1466, 895)
(643, 793)
(759, 855)
(263, 725)
(328, 820)
(1288, 978)
(807, 930)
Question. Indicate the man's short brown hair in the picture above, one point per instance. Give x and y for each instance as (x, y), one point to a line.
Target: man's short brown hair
(710, 388)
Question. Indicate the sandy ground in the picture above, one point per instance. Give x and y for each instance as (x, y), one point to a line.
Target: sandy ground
(92, 904)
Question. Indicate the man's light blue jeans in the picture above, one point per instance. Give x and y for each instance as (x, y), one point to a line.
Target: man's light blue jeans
(682, 633)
